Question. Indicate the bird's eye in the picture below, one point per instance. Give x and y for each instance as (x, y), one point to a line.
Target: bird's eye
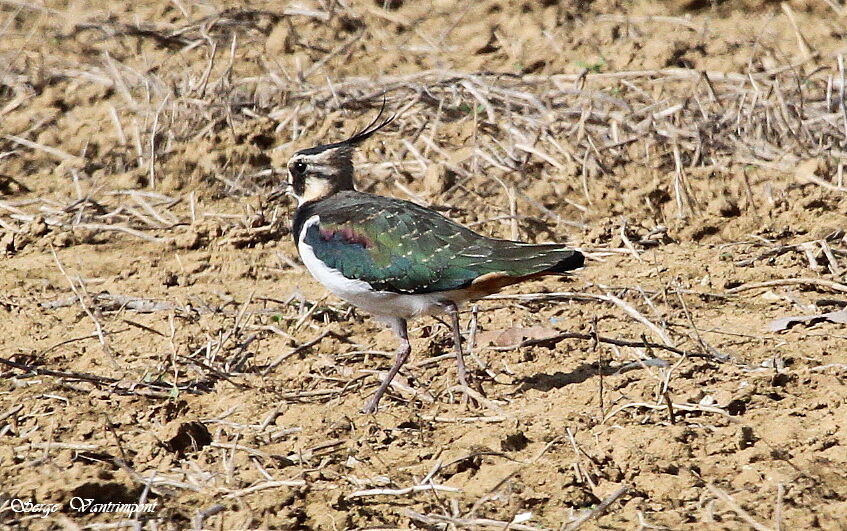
(299, 167)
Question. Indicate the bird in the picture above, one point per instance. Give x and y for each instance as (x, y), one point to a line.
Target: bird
(398, 260)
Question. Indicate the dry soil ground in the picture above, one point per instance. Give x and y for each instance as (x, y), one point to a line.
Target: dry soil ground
(160, 341)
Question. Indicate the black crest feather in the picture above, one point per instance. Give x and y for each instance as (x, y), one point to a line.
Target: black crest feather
(356, 139)
(372, 128)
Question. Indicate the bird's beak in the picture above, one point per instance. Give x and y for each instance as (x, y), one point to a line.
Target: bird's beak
(283, 190)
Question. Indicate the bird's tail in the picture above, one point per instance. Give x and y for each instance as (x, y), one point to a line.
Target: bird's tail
(519, 261)
(567, 260)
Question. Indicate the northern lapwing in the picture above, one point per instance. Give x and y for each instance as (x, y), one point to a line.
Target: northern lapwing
(396, 259)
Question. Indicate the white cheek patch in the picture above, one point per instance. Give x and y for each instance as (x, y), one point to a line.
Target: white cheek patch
(315, 189)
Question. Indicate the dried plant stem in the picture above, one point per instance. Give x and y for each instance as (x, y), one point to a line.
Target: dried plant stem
(472, 523)
(737, 509)
(598, 511)
(82, 302)
(820, 282)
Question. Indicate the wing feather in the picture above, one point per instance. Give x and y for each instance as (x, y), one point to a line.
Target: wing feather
(399, 246)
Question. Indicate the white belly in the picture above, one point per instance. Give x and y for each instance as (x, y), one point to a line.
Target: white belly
(360, 294)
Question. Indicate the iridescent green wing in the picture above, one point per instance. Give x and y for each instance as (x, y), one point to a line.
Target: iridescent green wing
(399, 246)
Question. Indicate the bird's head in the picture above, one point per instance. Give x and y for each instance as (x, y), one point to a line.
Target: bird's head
(321, 171)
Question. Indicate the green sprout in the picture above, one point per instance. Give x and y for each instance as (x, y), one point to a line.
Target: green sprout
(596, 67)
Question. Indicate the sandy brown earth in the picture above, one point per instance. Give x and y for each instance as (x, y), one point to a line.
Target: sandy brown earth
(162, 344)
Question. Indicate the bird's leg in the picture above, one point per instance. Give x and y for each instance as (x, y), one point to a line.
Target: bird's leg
(403, 351)
(457, 343)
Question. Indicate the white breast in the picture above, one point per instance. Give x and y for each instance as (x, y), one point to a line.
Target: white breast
(359, 293)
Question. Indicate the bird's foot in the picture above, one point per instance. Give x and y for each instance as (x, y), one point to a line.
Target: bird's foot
(473, 398)
(466, 390)
(372, 405)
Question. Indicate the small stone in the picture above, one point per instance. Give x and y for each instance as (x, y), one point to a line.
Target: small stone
(748, 476)
(131, 180)
(7, 243)
(514, 442)
(38, 227)
(438, 179)
(745, 437)
(806, 170)
(63, 239)
(188, 240)
(724, 207)
(279, 41)
(170, 279)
